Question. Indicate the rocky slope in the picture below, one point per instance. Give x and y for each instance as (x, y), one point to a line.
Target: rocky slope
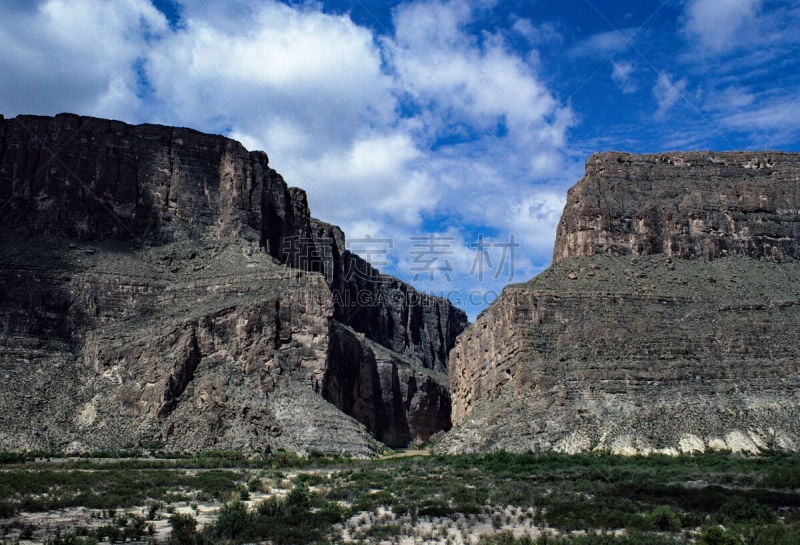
(166, 288)
(666, 323)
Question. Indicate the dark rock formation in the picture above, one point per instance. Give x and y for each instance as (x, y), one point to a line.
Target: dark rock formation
(686, 205)
(385, 309)
(666, 323)
(165, 287)
(398, 400)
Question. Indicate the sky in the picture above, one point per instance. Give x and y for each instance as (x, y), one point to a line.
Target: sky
(441, 135)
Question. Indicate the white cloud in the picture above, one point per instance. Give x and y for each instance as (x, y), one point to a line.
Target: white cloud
(535, 217)
(775, 115)
(536, 35)
(462, 81)
(313, 77)
(667, 92)
(718, 26)
(378, 178)
(604, 44)
(432, 129)
(730, 99)
(77, 55)
(622, 76)
(308, 87)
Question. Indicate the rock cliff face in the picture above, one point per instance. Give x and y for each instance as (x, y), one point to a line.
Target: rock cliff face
(684, 205)
(666, 323)
(164, 287)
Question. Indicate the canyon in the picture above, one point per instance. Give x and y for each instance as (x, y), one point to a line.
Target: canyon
(166, 289)
(666, 323)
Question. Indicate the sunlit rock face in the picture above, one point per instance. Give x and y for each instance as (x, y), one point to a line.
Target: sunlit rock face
(667, 322)
(165, 288)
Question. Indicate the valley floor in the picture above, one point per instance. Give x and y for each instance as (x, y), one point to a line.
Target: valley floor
(413, 498)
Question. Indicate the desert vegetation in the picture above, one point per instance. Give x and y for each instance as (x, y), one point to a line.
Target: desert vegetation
(489, 499)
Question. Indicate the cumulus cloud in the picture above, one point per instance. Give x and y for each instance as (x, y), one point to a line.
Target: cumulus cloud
(460, 81)
(535, 217)
(313, 77)
(747, 51)
(429, 128)
(80, 55)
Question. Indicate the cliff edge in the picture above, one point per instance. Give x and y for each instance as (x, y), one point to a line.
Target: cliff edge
(665, 324)
(165, 288)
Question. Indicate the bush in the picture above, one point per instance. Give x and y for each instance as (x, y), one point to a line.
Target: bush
(27, 531)
(7, 510)
(233, 520)
(773, 534)
(113, 533)
(12, 458)
(184, 529)
(715, 535)
(271, 507)
(739, 510)
(298, 501)
(331, 513)
(254, 484)
(662, 519)
(153, 510)
(70, 539)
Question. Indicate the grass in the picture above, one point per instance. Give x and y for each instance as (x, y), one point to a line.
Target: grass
(134, 459)
(713, 499)
(36, 490)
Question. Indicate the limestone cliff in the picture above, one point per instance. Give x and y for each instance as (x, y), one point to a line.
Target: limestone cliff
(666, 323)
(166, 287)
(698, 204)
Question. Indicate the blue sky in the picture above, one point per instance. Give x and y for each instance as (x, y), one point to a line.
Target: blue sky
(447, 131)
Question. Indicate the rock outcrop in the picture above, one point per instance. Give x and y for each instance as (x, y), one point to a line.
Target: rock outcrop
(685, 205)
(665, 324)
(166, 288)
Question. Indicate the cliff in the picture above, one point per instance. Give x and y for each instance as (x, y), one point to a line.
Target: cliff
(665, 324)
(166, 288)
(686, 205)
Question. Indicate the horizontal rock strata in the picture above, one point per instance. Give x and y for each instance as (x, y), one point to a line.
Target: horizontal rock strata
(666, 323)
(166, 288)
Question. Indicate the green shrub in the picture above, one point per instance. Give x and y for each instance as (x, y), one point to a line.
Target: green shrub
(152, 511)
(7, 509)
(330, 513)
(13, 458)
(70, 538)
(254, 484)
(233, 520)
(434, 508)
(271, 507)
(311, 479)
(507, 538)
(109, 531)
(137, 526)
(773, 534)
(662, 519)
(299, 500)
(27, 531)
(714, 535)
(184, 529)
(739, 510)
